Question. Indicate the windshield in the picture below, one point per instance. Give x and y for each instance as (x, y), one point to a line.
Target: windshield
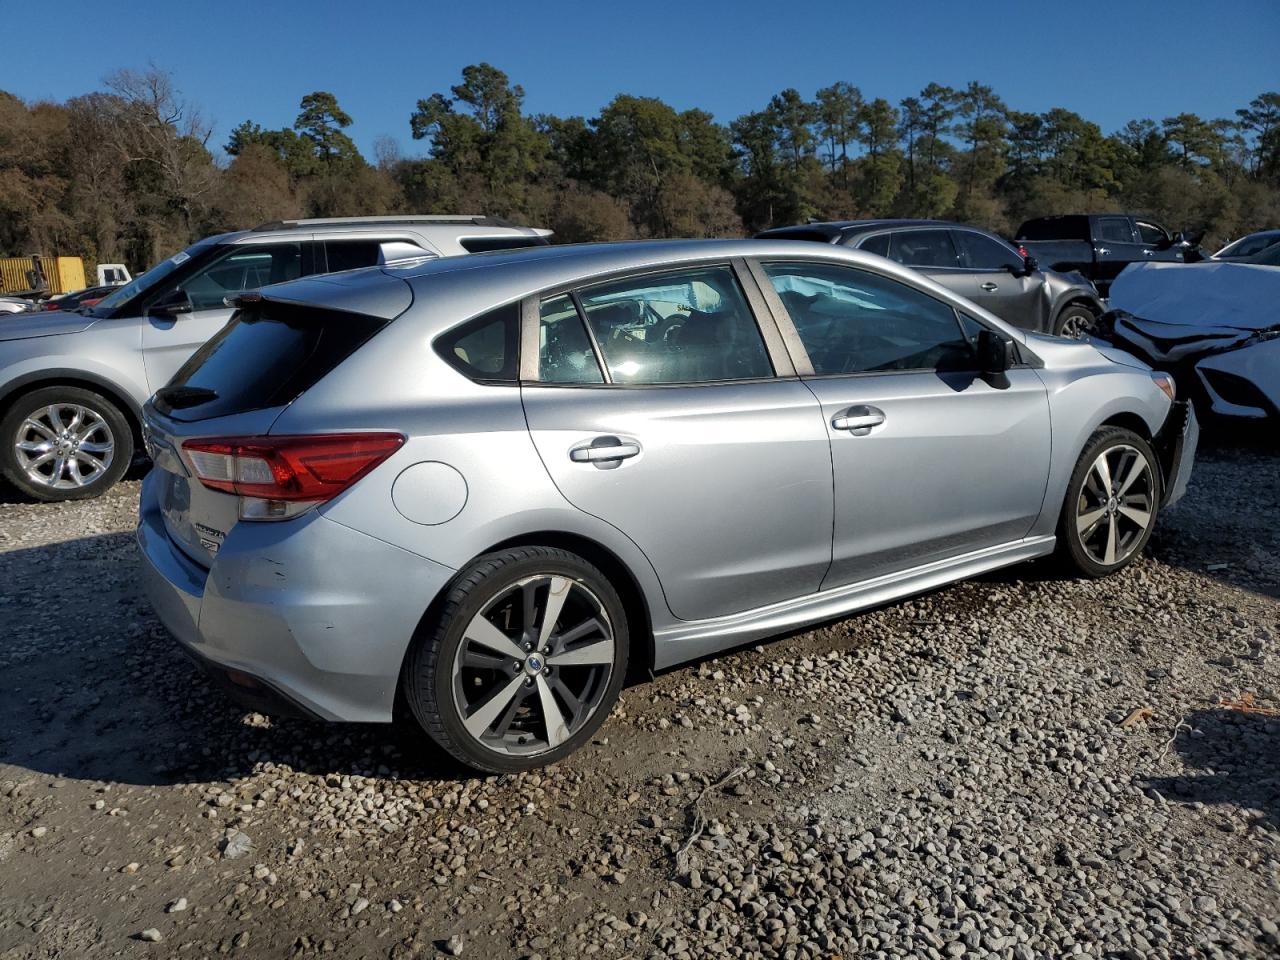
(1269, 257)
(1249, 246)
(124, 294)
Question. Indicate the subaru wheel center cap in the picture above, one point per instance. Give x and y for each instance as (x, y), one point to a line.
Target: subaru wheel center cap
(533, 664)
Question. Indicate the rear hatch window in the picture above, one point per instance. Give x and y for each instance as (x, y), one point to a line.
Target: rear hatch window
(266, 356)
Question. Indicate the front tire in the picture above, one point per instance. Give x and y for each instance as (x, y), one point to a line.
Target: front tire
(1112, 501)
(524, 662)
(1075, 322)
(64, 443)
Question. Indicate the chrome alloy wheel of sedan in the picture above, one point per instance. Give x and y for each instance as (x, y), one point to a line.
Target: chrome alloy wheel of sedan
(64, 446)
(533, 666)
(1116, 504)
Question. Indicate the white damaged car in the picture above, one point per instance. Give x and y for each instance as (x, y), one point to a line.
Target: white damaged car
(1215, 326)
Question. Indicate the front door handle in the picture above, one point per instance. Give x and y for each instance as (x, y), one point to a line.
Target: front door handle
(1103, 251)
(859, 420)
(990, 287)
(605, 451)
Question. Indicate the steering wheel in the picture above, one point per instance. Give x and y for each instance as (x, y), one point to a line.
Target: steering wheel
(667, 331)
(651, 317)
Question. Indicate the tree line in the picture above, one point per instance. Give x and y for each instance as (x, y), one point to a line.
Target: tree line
(129, 173)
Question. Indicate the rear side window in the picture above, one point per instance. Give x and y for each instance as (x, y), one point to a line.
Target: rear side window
(691, 326)
(487, 348)
(485, 244)
(267, 356)
(924, 248)
(1055, 228)
(369, 252)
(565, 354)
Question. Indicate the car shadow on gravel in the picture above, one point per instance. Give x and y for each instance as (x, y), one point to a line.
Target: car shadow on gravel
(92, 687)
(1233, 758)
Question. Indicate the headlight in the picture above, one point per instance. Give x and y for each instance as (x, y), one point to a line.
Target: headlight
(1165, 383)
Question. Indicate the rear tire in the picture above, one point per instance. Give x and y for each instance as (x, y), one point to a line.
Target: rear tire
(500, 689)
(1112, 502)
(64, 443)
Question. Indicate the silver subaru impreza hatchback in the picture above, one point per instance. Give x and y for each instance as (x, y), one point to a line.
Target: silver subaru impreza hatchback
(483, 488)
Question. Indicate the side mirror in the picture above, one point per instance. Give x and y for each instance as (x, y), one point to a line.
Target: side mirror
(1030, 264)
(171, 305)
(995, 353)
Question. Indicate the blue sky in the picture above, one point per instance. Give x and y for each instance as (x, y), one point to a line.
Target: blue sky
(1110, 61)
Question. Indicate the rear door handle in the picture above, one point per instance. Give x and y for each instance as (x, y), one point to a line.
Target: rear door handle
(990, 287)
(1103, 251)
(604, 451)
(858, 420)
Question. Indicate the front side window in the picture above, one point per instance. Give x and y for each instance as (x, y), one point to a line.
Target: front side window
(693, 326)
(1114, 230)
(856, 321)
(878, 245)
(980, 252)
(245, 268)
(924, 248)
(1150, 234)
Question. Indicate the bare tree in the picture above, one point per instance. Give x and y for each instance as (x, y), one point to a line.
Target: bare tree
(165, 138)
(386, 152)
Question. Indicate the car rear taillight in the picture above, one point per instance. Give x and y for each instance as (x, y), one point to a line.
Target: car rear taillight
(280, 477)
(1022, 251)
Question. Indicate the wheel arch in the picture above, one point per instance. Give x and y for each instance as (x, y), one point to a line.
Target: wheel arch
(1130, 421)
(1075, 299)
(639, 619)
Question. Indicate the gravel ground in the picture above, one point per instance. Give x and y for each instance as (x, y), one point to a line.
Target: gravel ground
(1021, 766)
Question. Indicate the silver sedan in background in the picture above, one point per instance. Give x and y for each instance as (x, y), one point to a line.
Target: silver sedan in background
(977, 265)
(484, 487)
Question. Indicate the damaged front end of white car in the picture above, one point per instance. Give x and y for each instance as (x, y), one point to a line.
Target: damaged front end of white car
(1214, 326)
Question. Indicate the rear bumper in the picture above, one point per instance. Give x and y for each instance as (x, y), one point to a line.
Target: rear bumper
(308, 611)
(1176, 449)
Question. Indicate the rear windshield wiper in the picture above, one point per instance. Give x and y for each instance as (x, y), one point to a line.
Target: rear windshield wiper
(177, 398)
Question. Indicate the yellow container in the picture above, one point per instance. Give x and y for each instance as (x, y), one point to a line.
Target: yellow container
(61, 274)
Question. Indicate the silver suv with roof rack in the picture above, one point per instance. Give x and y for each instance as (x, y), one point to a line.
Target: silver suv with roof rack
(72, 384)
